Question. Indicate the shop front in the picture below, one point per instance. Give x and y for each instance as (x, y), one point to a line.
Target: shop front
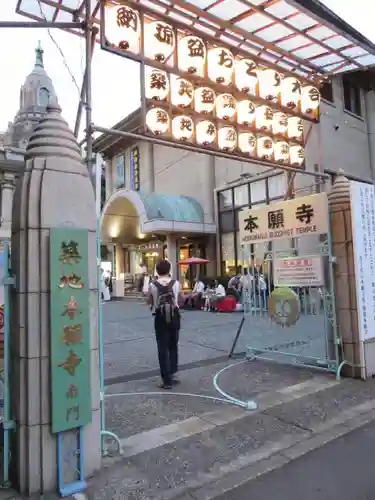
(144, 228)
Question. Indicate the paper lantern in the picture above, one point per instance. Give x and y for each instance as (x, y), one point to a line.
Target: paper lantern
(204, 100)
(182, 91)
(247, 143)
(159, 40)
(192, 55)
(157, 120)
(265, 148)
(310, 100)
(227, 138)
(122, 27)
(182, 128)
(157, 84)
(220, 65)
(280, 123)
(269, 84)
(226, 106)
(245, 112)
(281, 152)
(246, 76)
(290, 92)
(297, 155)
(206, 133)
(263, 118)
(295, 127)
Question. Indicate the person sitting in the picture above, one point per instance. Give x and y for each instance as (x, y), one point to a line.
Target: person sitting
(195, 297)
(218, 295)
(234, 287)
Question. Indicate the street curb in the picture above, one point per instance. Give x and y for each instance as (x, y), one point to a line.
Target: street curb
(271, 457)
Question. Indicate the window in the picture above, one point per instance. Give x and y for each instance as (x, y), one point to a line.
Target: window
(241, 195)
(43, 97)
(120, 172)
(227, 223)
(228, 262)
(326, 91)
(258, 191)
(352, 97)
(225, 199)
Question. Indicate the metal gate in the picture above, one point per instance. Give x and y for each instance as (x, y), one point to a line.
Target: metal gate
(7, 423)
(289, 301)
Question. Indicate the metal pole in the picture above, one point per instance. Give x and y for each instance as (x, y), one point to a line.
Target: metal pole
(197, 149)
(88, 26)
(83, 89)
(41, 24)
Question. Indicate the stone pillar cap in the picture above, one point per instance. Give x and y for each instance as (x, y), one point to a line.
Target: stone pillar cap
(53, 137)
(340, 192)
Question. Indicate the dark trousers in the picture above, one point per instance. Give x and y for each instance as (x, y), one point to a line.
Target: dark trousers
(167, 342)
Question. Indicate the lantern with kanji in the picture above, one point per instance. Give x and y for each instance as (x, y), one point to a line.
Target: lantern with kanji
(205, 133)
(182, 91)
(295, 127)
(290, 92)
(265, 148)
(227, 138)
(246, 76)
(192, 55)
(157, 120)
(310, 100)
(280, 123)
(204, 100)
(247, 143)
(281, 151)
(269, 84)
(220, 65)
(182, 128)
(122, 27)
(159, 40)
(157, 84)
(226, 106)
(263, 118)
(245, 112)
(297, 155)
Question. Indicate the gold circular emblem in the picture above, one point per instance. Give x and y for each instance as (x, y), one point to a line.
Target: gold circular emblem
(284, 307)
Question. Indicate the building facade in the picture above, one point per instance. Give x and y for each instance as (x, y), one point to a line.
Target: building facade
(35, 95)
(150, 189)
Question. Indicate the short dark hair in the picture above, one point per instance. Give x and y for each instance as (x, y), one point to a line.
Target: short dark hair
(163, 268)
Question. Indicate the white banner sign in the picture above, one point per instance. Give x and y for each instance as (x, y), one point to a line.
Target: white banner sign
(295, 218)
(296, 272)
(363, 224)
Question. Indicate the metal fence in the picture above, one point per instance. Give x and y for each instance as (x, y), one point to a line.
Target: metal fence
(290, 316)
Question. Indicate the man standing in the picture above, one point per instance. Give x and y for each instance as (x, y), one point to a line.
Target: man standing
(163, 300)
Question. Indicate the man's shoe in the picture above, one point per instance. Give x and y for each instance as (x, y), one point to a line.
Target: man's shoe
(165, 386)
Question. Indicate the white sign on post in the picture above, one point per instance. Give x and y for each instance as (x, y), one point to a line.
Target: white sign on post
(298, 272)
(363, 227)
(295, 218)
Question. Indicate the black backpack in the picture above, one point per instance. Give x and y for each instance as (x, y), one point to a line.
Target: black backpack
(165, 303)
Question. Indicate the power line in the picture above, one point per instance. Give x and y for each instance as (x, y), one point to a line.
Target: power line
(60, 50)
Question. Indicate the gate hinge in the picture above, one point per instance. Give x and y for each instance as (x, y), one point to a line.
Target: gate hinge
(9, 425)
(9, 281)
(332, 259)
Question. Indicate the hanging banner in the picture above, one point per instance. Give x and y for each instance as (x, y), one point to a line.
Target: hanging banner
(298, 272)
(363, 227)
(295, 218)
(70, 329)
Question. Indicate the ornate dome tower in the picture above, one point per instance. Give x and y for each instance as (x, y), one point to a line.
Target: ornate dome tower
(35, 95)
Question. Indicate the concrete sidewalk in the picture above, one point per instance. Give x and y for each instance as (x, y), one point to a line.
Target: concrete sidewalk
(184, 447)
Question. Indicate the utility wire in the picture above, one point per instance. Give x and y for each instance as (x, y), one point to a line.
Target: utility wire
(60, 50)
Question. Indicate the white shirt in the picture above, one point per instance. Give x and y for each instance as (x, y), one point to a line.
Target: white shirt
(198, 287)
(220, 291)
(164, 281)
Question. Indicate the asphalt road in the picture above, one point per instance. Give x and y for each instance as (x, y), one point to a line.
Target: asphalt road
(343, 469)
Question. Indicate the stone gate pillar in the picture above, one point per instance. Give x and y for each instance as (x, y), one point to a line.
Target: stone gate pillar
(55, 191)
(345, 283)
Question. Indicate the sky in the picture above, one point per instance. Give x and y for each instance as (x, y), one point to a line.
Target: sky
(115, 82)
